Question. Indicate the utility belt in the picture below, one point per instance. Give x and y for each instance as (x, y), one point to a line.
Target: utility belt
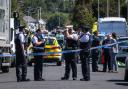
(71, 48)
(84, 45)
(36, 50)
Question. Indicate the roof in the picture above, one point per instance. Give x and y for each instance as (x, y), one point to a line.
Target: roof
(41, 21)
(112, 19)
(29, 19)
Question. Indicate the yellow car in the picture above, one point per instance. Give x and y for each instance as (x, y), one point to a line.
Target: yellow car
(50, 47)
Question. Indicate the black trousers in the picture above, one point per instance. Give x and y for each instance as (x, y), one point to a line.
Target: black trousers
(107, 62)
(85, 65)
(38, 67)
(95, 58)
(70, 63)
(21, 66)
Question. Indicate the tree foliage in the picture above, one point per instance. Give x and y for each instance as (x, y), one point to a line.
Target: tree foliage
(86, 15)
(57, 20)
(82, 15)
(14, 5)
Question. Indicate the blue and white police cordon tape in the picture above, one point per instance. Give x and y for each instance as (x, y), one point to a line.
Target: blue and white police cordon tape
(63, 52)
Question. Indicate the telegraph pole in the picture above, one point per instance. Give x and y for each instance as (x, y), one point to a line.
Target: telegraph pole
(127, 10)
(98, 9)
(107, 8)
(28, 17)
(58, 14)
(40, 13)
(118, 8)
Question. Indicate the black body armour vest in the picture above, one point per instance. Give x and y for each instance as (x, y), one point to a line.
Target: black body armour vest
(40, 49)
(71, 44)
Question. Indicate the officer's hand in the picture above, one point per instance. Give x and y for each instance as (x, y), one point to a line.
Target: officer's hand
(45, 39)
(66, 29)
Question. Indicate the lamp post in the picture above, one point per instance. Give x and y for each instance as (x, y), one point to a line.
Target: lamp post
(58, 16)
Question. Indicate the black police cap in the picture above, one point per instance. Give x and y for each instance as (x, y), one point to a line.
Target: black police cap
(21, 28)
(86, 28)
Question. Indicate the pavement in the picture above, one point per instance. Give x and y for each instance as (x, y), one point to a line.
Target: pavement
(53, 73)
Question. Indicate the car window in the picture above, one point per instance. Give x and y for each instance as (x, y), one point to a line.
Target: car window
(50, 42)
(125, 43)
(101, 38)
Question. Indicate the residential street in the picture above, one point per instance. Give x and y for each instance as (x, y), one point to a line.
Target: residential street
(52, 75)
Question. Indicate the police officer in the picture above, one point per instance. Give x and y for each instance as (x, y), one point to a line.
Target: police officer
(95, 52)
(21, 63)
(70, 58)
(84, 40)
(38, 41)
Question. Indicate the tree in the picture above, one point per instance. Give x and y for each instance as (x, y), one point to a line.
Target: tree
(82, 14)
(124, 9)
(16, 7)
(48, 8)
(113, 8)
(57, 20)
(82, 2)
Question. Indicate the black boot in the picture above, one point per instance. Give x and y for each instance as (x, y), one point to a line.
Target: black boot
(64, 78)
(25, 79)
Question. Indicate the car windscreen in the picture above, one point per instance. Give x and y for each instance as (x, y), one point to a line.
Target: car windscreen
(113, 26)
(101, 38)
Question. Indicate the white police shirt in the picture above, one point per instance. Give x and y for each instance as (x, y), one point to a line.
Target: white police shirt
(22, 40)
(84, 37)
(34, 39)
(22, 37)
(73, 37)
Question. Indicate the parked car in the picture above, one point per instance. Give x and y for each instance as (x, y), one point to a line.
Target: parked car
(51, 46)
(126, 70)
(60, 39)
(123, 49)
(122, 55)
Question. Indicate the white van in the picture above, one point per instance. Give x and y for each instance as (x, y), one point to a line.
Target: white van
(113, 24)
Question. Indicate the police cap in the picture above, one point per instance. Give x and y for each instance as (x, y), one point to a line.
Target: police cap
(21, 28)
(85, 28)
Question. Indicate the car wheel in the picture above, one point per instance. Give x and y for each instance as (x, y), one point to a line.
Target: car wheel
(13, 63)
(59, 63)
(126, 75)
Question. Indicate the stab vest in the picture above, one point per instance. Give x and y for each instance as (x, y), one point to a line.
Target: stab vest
(71, 44)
